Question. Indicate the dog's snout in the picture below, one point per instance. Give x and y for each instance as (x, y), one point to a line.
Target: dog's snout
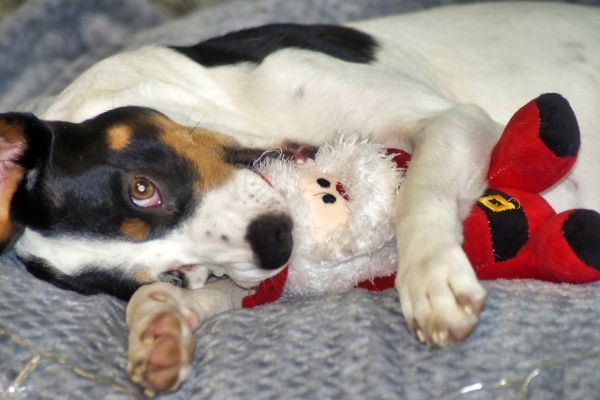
(270, 237)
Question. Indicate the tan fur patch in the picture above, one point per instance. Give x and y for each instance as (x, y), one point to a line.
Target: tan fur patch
(12, 133)
(143, 277)
(119, 137)
(135, 229)
(205, 149)
(8, 186)
(13, 173)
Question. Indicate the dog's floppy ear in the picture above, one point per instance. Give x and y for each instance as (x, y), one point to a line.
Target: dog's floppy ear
(24, 142)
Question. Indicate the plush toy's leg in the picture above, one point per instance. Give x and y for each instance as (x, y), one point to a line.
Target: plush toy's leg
(538, 147)
(566, 249)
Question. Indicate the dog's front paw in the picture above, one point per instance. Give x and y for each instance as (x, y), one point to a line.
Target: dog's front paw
(161, 349)
(441, 297)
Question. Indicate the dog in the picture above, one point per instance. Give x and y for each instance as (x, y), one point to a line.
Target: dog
(136, 178)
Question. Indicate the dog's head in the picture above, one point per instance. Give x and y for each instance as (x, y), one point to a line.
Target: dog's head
(130, 197)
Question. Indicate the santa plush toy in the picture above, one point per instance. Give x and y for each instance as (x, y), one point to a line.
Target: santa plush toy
(342, 205)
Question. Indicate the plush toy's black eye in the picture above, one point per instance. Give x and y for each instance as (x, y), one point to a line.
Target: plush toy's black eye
(324, 183)
(329, 199)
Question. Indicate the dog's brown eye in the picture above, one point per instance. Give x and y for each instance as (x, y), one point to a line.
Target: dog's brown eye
(144, 193)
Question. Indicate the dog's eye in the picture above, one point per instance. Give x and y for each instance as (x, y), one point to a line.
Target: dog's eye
(144, 193)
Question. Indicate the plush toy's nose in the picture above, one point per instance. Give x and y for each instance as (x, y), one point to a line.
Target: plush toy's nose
(270, 237)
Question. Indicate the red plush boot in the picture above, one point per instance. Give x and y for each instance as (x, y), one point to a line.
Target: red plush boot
(568, 247)
(538, 147)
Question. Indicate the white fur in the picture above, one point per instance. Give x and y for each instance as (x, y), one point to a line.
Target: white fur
(446, 82)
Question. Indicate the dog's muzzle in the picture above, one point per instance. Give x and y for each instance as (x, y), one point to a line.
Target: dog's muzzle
(270, 237)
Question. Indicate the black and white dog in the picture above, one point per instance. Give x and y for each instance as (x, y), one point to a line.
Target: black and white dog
(135, 174)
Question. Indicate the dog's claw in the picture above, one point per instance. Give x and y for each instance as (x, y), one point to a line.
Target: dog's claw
(439, 338)
(148, 341)
(420, 336)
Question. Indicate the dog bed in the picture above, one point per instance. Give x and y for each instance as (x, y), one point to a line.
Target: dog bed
(535, 340)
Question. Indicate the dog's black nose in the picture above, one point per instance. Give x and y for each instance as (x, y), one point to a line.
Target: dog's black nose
(270, 237)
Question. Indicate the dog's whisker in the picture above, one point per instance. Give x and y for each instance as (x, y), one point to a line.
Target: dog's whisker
(268, 152)
(192, 129)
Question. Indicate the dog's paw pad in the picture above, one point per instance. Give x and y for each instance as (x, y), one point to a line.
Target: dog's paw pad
(167, 348)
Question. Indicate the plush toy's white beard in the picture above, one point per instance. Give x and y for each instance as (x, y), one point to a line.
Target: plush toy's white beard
(365, 246)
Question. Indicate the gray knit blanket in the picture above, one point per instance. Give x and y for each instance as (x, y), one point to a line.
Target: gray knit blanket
(535, 340)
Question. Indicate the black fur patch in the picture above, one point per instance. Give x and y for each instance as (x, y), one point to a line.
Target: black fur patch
(255, 44)
(81, 186)
(89, 280)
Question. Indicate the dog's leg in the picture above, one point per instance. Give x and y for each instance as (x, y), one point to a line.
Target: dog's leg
(439, 292)
(162, 319)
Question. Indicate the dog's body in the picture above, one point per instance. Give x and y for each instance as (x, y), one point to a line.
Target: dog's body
(439, 84)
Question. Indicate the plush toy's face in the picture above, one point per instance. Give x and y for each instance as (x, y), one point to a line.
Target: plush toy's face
(327, 200)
